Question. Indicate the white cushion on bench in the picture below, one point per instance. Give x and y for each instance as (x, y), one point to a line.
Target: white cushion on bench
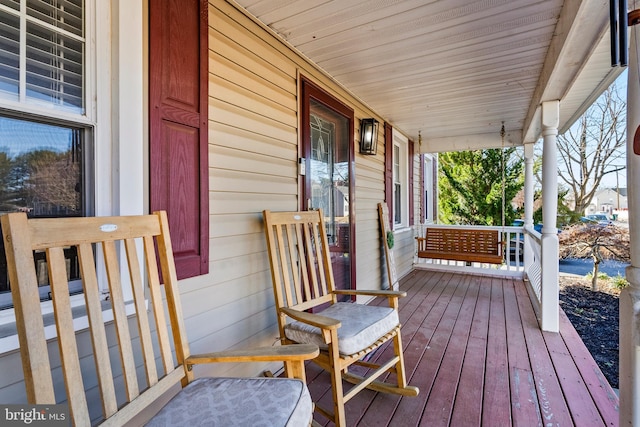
(362, 325)
(249, 402)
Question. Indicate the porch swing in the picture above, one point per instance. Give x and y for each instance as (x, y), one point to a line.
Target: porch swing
(466, 244)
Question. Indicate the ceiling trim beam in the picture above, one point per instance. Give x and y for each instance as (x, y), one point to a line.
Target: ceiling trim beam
(470, 142)
(580, 28)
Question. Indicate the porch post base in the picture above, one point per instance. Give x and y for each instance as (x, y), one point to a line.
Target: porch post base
(629, 352)
(550, 298)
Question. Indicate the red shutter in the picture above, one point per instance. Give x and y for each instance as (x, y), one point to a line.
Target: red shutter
(411, 185)
(178, 163)
(388, 170)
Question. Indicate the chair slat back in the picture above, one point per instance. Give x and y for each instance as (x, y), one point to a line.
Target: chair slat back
(300, 258)
(128, 247)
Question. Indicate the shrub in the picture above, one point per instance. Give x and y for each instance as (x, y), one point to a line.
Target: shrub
(601, 276)
(619, 282)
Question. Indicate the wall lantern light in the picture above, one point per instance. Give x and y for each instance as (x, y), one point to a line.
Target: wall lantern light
(368, 136)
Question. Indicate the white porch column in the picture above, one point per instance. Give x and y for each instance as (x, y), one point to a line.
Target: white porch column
(528, 183)
(630, 297)
(528, 198)
(550, 289)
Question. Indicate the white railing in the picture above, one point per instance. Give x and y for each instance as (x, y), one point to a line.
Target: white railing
(513, 249)
(522, 248)
(533, 263)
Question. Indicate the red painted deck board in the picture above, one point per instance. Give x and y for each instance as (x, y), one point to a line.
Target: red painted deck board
(496, 409)
(524, 399)
(601, 392)
(473, 346)
(467, 408)
(553, 406)
(440, 406)
(437, 330)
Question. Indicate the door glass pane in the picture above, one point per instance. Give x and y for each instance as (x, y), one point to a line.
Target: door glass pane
(329, 182)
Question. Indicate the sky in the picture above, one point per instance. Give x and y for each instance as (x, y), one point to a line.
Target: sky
(609, 180)
(21, 136)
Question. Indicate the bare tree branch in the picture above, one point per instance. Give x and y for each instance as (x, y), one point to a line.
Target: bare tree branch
(592, 148)
(595, 241)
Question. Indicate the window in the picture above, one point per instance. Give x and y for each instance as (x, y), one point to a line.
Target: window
(429, 189)
(42, 173)
(400, 181)
(42, 49)
(45, 142)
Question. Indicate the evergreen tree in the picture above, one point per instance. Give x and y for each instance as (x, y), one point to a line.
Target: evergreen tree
(471, 185)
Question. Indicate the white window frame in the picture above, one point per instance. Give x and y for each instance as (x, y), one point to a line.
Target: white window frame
(51, 114)
(41, 109)
(428, 185)
(116, 114)
(400, 161)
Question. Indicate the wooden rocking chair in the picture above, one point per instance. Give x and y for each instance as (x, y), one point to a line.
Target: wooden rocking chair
(128, 375)
(302, 279)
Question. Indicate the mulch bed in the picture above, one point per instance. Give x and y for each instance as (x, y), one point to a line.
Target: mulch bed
(594, 315)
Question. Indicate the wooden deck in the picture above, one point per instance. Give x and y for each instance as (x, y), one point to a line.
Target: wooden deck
(474, 348)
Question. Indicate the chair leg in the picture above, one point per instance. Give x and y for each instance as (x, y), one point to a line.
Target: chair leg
(400, 373)
(336, 383)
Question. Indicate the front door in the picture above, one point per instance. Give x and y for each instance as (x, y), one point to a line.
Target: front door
(328, 183)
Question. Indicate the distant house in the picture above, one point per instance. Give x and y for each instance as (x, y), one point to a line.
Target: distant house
(608, 200)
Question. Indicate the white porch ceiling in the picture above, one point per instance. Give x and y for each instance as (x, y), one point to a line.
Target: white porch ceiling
(456, 69)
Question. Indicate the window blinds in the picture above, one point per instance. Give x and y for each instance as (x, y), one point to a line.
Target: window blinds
(52, 57)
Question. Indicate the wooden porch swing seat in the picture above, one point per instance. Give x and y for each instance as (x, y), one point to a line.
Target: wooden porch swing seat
(461, 244)
(144, 369)
(346, 332)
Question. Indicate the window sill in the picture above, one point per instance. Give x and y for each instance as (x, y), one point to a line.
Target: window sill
(8, 333)
(402, 229)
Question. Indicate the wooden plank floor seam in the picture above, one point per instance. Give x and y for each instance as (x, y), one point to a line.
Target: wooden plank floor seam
(474, 348)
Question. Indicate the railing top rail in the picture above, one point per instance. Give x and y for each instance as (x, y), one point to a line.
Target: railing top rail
(506, 228)
(531, 232)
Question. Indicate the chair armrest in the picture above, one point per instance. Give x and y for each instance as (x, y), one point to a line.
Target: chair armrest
(372, 292)
(293, 357)
(322, 322)
(284, 353)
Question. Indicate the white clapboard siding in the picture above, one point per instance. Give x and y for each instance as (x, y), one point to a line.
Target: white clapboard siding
(253, 152)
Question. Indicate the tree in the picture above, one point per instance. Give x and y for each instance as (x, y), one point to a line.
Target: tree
(471, 186)
(592, 148)
(47, 182)
(595, 241)
(6, 195)
(54, 181)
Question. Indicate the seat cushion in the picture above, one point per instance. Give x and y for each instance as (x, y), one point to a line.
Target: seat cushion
(362, 325)
(238, 402)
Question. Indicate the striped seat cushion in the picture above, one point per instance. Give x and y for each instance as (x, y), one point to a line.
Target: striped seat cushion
(238, 402)
(362, 325)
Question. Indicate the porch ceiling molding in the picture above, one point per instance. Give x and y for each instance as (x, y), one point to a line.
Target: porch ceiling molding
(454, 70)
(574, 58)
(470, 142)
